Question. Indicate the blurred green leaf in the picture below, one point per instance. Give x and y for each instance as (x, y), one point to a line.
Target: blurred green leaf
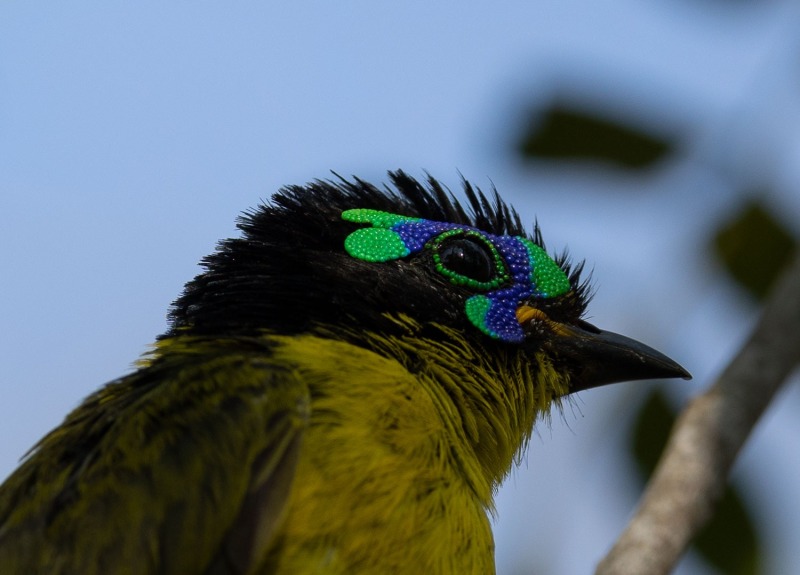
(753, 248)
(569, 134)
(729, 542)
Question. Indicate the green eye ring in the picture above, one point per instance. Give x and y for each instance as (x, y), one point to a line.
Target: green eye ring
(498, 272)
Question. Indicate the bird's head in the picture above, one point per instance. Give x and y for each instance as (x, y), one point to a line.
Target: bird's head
(356, 262)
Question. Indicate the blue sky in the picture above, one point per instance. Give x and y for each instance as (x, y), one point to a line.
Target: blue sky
(131, 136)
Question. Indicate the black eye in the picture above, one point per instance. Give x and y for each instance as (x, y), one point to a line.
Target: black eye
(467, 258)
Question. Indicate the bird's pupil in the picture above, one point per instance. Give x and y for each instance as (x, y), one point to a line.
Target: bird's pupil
(468, 258)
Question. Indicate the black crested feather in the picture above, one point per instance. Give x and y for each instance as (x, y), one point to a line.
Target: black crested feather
(289, 272)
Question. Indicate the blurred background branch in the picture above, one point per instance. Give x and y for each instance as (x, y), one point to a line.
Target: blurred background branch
(693, 471)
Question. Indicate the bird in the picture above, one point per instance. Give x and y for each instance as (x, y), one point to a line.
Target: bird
(341, 389)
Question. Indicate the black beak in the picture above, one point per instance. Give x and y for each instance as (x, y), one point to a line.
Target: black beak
(598, 357)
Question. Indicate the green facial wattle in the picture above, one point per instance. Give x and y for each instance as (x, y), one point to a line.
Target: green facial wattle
(515, 269)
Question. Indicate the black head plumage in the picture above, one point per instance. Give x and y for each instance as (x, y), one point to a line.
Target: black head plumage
(289, 273)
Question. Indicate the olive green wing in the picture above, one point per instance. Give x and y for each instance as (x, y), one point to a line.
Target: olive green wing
(182, 467)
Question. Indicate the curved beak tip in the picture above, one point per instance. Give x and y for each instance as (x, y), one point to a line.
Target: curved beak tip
(603, 357)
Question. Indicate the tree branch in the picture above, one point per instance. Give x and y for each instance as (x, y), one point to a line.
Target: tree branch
(706, 438)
